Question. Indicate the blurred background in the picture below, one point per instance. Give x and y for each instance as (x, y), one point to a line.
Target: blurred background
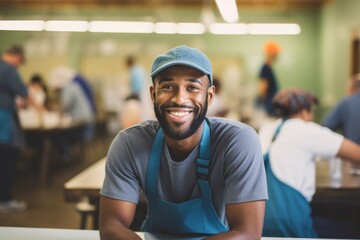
(319, 53)
(319, 58)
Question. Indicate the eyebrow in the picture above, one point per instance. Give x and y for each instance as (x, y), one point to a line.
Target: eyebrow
(169, 79)
(165, 79)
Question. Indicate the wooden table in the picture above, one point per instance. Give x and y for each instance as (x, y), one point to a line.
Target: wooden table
(89, 182)
(345, 190)
(46, 134)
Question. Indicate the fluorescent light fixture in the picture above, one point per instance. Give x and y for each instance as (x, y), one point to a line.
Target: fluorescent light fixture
(22, 25)
(66, 26)
(274, 28)
(165, 27)
(121, 27)
(190, 28)
(228, 28)
(228, 10)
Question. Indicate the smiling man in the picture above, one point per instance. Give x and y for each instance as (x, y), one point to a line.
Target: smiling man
(202, 176)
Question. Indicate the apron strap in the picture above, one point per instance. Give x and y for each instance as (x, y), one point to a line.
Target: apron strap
(203, 163)
(154, 163)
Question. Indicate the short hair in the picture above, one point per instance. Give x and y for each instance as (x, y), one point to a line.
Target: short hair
(292, 101)
(36, 78)
(272, 47)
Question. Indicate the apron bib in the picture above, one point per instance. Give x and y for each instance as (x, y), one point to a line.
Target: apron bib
(287, 213)
(196, 216)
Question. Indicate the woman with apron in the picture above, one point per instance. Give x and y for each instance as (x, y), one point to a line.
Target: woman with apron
(290, 146)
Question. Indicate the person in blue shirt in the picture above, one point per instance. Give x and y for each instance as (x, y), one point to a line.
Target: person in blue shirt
(137, 77)
(345, 117)
(12, 89)
(200, 175)
(346, 114)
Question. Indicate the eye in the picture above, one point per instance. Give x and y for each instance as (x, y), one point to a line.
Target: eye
(166, 87)
(193, 88)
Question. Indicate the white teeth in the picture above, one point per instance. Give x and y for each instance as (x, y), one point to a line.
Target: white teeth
(179, 114)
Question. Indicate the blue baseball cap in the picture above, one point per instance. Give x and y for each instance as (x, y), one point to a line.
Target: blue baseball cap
(183, 55)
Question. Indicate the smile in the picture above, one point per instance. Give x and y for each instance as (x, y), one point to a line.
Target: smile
(179, 114)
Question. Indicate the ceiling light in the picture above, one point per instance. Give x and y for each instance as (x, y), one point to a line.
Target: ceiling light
(228, 28)
(66, 26)
(165, 28)
(121, 27)
(190, 28)
(274, 28)
(228, 10)
(22, 25)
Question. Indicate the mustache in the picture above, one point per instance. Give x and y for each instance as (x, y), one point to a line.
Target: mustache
(174, 105)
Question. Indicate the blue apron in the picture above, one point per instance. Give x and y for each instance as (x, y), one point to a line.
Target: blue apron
(196, 216)
(288, 213)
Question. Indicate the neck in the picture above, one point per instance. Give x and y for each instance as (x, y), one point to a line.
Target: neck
(180, 149)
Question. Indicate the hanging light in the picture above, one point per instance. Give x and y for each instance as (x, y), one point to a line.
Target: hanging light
(228, 10)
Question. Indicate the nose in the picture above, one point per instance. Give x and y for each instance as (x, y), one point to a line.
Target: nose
(180, 96)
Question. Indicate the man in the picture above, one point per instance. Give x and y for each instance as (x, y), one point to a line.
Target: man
(13, 92)
(346, 116)
(200, 175)
(268, 85)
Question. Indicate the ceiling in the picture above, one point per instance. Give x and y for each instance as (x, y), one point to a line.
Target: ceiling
(244, 4)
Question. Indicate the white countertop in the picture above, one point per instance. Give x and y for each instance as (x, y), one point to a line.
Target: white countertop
(21, 233)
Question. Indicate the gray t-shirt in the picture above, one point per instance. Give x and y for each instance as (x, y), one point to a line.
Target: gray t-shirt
(236, 172)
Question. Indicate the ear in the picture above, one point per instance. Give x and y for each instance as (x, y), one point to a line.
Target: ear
(152, 93)
(211, 94)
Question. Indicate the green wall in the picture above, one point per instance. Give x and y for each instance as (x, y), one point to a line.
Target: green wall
(318, 59)
(338, 22)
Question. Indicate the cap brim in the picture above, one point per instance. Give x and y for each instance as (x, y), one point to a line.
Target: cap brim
(183, 63)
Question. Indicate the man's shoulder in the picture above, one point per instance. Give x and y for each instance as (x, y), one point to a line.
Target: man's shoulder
(138, 131)
(225, 125)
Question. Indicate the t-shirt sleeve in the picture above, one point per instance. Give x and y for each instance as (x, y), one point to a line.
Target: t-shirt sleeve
(244, 172)
(330, 141)
(120, 173)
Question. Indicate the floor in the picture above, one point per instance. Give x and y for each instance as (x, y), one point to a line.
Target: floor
(47, 208)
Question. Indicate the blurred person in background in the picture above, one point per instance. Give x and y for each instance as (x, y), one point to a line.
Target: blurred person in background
(268, 84)
(13, 94)
(74, 104)
(131, 113)
(87, 89)
(137, 77)
(345, 117)
(139, 84)
(217, 108)
(290, 146)
(38, 91)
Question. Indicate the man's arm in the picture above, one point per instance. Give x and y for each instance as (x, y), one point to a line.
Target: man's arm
(262, 88)
(245, 221)
(115, 219)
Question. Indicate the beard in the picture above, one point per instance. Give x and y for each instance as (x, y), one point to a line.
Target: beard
(194, 125)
